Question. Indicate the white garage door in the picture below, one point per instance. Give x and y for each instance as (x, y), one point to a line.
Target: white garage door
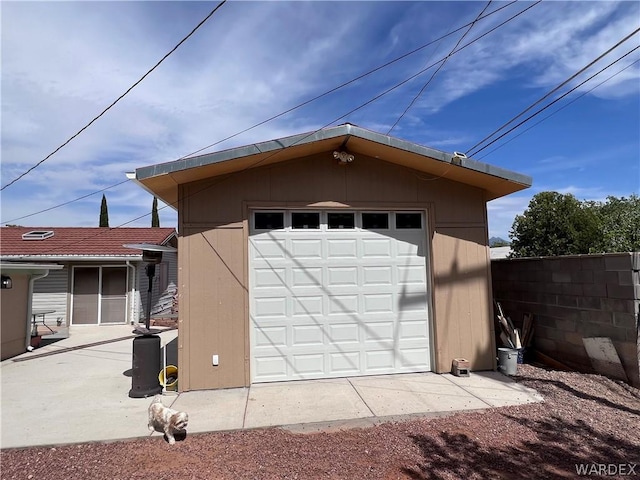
(335, 294)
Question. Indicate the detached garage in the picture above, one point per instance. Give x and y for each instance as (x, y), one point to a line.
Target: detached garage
(341, 252)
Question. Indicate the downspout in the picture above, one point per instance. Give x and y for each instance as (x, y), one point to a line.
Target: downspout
(131, 294)
(135, 314)
(32, 279)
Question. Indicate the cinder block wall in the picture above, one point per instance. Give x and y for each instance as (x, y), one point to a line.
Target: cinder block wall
(575, 297)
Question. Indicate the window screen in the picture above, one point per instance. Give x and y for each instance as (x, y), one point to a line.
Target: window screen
(408, 220)
(375, 220)
(268, 220)
(304, 220)
(341, 220)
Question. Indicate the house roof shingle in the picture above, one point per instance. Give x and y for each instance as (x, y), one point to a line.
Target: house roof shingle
(80, 241)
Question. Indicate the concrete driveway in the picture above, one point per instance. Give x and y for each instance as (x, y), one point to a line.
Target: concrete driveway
(76, 390)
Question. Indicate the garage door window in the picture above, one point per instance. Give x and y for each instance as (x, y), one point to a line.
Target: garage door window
(408, 220)
(269, 220)
(375, 221)
(341, 220)
(305, 220)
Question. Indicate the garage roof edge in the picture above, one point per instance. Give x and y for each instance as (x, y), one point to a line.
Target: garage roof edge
(319, 135)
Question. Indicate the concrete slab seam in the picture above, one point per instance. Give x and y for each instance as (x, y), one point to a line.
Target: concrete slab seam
(470, 392)
(361, 397)
(174, 400)
(70, 349)
(246, 408)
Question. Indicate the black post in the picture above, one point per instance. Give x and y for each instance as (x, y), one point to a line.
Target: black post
(146, 363)
(151, 271)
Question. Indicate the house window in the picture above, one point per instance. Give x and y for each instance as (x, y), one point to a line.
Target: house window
(341, 220)
(268, 220)
(375, 220)
(305, 220)
(409, 220)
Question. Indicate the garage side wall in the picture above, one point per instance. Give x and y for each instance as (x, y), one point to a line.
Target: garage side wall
(462, 299)
(213, 263)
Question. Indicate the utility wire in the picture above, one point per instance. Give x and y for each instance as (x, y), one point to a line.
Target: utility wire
(557, 99)
(115, 101)
(66, 203)
(559, 109)
(419, 94)
(334, 89)
(417, 74)
(258, 162)
(345, 84)
(471, 151)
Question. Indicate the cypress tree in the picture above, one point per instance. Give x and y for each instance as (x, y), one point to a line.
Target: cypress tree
(155, 219)
(104, 212)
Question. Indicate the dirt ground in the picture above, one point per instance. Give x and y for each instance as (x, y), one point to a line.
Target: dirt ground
(587, 424)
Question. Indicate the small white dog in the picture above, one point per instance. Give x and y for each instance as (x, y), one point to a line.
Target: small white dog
(165, 420)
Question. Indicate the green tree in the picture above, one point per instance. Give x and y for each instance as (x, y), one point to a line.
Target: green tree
(555, 224)
(155, 219)
(620, 224)
(104, 212)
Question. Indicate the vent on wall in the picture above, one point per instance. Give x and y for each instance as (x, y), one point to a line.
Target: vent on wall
(37, 235)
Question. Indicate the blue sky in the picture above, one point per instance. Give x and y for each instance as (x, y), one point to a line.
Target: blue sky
(64, 62)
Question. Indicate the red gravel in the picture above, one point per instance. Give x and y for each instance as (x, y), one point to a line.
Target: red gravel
(585, 419)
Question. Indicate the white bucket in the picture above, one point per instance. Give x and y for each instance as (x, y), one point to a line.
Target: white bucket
(508, 360)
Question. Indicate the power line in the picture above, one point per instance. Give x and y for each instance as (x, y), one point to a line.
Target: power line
(115, 101)
(559, 109)
(471, 151)
(66, 203)
(258, 162)
(255, 164)
(557, 99)
(360, 77)
(417, 74)
(437, 70)
(334, 89)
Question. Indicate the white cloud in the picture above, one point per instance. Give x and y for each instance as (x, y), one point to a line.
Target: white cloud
(501, 212)
(545, 45)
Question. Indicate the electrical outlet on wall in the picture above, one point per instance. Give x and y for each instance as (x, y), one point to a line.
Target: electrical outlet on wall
(215, 360)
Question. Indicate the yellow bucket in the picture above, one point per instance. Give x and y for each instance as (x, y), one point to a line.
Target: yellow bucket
(168, 377)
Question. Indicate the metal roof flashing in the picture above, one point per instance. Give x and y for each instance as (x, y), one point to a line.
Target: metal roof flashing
(348, 131)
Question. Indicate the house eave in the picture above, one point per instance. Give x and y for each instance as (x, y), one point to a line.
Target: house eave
(27, 268)
(71, 258)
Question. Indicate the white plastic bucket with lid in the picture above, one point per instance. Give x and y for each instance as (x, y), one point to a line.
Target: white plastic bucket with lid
(508, 360)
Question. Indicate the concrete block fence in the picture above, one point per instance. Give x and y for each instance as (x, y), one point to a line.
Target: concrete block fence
(575, 297)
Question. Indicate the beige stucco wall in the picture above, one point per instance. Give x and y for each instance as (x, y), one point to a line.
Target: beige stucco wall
(14, 303)
(213, 264)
